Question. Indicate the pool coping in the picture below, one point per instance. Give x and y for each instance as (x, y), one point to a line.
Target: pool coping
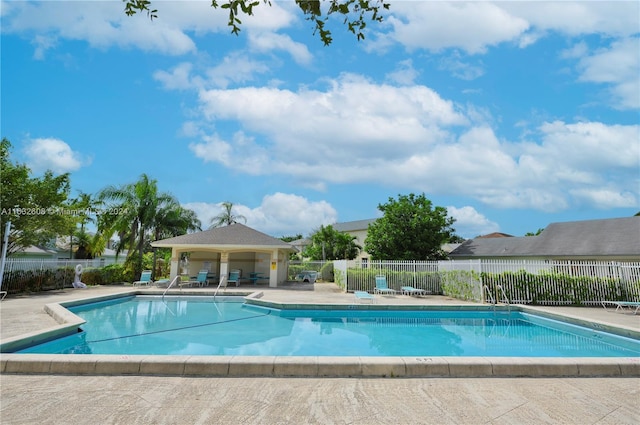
(306, 366)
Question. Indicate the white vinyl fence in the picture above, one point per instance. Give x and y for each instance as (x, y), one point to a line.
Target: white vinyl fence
(515, 281)
(13, 264)
(20, 273)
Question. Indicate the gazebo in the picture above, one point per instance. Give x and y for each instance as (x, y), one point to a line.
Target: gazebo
(234, 247)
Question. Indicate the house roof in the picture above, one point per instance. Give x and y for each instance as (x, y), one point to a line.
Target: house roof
(616, 237)
(448, 247)
(496, 235)
(301, 242)
(352, 226)
(232, 235)
(37, 250)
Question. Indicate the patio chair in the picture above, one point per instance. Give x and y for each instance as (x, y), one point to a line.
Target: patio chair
(234, 277)
(145, 278)
(202, 280)
(162, 283)
(622, 306)
(382, 287)
(364, 296)
(410, 290)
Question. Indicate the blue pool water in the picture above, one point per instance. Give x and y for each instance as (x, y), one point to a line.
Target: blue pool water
(146, 325)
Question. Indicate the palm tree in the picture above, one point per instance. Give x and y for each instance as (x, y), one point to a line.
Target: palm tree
(330, 244)
(174, 220)
(85, 206)
(226, 217)
(131, 212)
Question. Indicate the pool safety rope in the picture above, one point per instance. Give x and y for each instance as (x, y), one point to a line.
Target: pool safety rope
(179, 329)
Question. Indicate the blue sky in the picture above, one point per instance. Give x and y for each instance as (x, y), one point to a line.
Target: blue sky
(512, 115)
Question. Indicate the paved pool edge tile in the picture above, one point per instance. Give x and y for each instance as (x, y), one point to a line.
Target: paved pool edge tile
(389, 367)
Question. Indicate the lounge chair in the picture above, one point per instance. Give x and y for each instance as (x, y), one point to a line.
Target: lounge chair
(201, 280)
(622, 305)
(382, 287)
(410, 290)
(162, 283)
(2, 295)
(234, 277)
(145, 278)
(364, 296)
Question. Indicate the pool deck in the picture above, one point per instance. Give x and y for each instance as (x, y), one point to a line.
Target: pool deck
(192, 389)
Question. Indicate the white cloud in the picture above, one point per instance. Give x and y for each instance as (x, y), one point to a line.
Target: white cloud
(470, 223)
(578, 50)
(179, 78)
(42, 43)
(606, 198)
(404, 74)
(616, 19)
(279, 214)
(101, 24)
(406, 137)
(104, 24)
(53, 154)
(591, 146)
(269, 41)
(469, 26)
(618, 65)
(237, 67)
(476, 26)
(461, 69)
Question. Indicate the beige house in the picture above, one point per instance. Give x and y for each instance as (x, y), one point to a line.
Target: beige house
(358, 229)
(233, 247)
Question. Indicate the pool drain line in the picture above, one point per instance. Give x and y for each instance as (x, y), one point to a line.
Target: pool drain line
(179, 329)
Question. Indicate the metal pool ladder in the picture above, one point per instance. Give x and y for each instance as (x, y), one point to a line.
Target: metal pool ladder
(504, 295)
(488, 292)
(219, 284)
(495, 300)
(170, 285)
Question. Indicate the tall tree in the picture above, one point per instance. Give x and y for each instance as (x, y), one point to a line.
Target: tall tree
(84, 209)
(226, 217)
(329, 244)
(410, 229)
(131, 212)
(174, 220)
(34, 205)
(354, 13)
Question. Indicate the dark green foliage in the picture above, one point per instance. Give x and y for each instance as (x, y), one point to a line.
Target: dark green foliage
(107, 275)
(557, 288)
(28, 281)
(34, 205)
(329, 244)
(410, 229)
(326, 272)
(140, 210)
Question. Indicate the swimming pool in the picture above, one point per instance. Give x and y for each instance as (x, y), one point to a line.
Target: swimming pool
(197, 326)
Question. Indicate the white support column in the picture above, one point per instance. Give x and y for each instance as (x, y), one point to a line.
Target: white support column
(175, 264)
(273, 269)
(224, 266)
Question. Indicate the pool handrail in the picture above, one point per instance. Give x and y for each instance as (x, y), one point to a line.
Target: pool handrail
(219, 284)
(170, 285)
(488, 292)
